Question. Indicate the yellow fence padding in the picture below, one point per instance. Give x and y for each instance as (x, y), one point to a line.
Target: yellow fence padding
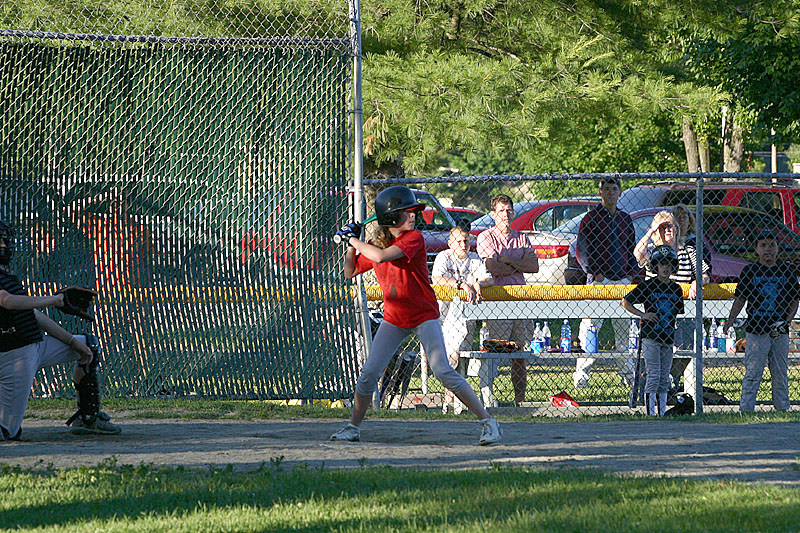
(559, 292)
(261, 294)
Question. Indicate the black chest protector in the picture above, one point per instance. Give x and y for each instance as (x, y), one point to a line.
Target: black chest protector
(17, 328)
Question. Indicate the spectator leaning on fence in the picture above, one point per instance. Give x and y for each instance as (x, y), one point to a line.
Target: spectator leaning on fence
(662, 300)
(459, 268)
(771, 292)
(508, 255)
(606, 240)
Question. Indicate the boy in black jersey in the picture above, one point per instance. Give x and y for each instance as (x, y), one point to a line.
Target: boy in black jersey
(663, 302)
(771, 292)
(24, 349)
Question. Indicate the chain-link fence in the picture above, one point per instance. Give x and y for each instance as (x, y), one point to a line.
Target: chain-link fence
(188, 161)
(574, 348)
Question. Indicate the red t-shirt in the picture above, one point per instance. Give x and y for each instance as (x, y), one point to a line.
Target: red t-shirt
(408, 298)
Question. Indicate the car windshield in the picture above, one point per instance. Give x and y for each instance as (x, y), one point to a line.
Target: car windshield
(440, 219)
(570, 226)
(734, 232)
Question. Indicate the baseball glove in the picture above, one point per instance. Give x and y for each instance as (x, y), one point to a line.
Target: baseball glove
(781, 327)
(500, 346)
(352, 229)
(77, 301)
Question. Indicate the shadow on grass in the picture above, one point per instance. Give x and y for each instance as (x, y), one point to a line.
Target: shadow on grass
(390, 499)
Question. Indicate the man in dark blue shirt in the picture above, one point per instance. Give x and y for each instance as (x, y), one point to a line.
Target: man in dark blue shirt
(606, 240)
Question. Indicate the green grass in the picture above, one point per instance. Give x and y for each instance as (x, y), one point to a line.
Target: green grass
(110, 497)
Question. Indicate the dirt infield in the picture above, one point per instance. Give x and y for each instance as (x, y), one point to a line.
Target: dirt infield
(753, 452)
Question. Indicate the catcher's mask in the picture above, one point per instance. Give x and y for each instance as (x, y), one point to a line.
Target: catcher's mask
(8, 237)
(663, 254)
(393, 201)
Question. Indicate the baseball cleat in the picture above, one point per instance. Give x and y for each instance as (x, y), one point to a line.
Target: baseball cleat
(348, 433)
(490, 431)
(98, 427)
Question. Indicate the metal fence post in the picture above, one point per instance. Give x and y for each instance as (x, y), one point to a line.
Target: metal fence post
(698, 383)
(358, 171)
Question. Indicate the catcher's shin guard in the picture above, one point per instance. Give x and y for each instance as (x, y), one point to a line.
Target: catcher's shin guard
(88, 390)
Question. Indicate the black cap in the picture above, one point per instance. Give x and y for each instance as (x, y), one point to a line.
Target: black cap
(766, 234)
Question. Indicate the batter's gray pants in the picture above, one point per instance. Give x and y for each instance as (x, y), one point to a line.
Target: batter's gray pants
(17, 370)
(389, 337)
(761, 350)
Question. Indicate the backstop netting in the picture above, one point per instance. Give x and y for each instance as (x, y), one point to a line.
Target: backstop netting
(576, 347)
(189, 163)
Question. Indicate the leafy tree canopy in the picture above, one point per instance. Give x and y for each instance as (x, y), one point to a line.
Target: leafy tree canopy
(512, 76)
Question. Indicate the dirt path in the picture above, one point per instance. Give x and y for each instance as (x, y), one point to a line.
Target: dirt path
(754, 452)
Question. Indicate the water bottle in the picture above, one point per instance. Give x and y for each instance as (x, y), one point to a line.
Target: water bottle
(538, 339)
(633, 336)
(730, 341)
(721, 340)
(591, 339)
(566, 337)
(712, 335)
(484, 334)
(546, 335)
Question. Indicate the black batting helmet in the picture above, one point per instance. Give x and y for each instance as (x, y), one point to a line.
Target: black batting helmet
(664, 254)
(8, 236)
(393, 201)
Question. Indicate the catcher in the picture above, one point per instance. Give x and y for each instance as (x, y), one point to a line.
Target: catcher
(24, 349)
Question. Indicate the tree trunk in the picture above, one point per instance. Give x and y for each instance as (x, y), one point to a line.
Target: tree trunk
(705, 155)
(690, 145)
(732, 146)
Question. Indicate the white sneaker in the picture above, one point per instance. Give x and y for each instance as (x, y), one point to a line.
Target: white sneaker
(348, 433)
(490, 432)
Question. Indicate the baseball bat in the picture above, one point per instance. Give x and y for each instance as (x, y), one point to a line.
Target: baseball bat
(635, 385)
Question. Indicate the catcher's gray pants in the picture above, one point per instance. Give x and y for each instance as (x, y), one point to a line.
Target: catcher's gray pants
(17, 370)
(761, 350)
(389, 337)
(658, 360)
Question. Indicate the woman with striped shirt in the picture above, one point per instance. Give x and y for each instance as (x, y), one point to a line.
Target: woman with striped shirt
(672, 228)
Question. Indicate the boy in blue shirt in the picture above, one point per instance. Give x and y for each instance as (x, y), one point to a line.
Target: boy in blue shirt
(771, 292)
(662, 299)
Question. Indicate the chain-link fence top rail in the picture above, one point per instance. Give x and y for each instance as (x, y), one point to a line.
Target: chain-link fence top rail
(307, 22)
(192, 180)
(549, 209)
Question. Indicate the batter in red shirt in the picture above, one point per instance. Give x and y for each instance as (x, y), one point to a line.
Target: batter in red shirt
(398, 256)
